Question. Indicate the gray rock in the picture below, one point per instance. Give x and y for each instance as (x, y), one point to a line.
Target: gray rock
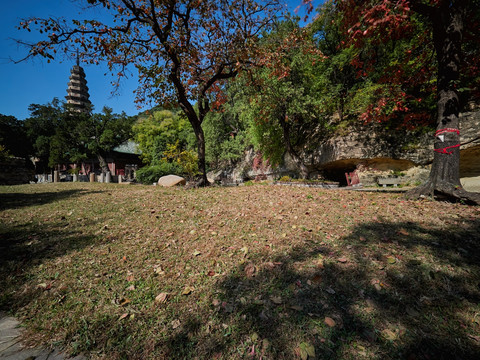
(171, 180)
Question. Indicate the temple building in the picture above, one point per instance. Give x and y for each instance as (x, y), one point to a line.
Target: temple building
(77, 89)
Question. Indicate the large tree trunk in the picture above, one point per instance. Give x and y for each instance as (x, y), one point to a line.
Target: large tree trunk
(197, 129)
(196, 123)
(303, 170)
(444, 179)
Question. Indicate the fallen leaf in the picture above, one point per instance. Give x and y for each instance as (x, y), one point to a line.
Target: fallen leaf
(403, 232)
(309, 349)
(216, 302)
(175, 324)
(130, 278)
(250, 270)
(161, 298)
(265, 344)
(211, 273)
(342, 260)
(276, 299)
(412, 312)
(329, 321)
(124, 302)
(196, 253)
(474, 337)
(123, 316)
(389, 334)
(330, 290)
(130, 288)
(296, 307)
(391, 260)
(317, 280)
(303, 353)
(188, 290)
(158, 270)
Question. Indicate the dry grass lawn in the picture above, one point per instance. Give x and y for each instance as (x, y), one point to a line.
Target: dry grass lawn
(253, 272)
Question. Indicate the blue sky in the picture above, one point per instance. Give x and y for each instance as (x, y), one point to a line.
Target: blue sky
(39, 82)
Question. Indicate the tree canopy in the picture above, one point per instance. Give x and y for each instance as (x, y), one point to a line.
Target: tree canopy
(183, 50)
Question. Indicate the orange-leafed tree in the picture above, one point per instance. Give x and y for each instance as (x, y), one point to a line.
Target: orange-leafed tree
(452, 29)
(184, 50)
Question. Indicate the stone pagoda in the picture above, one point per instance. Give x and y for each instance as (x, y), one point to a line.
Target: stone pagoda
(77, 89)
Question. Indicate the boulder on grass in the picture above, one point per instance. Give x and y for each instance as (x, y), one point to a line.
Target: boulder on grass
(171, 180)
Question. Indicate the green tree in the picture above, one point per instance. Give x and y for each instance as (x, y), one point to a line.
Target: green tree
(13, 137)
(283, 103)
(154, 132)
(41, 128)
(226, 130)
(61, 135)
(100, 133)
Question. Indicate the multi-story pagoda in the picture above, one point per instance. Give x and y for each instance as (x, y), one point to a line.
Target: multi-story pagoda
(77, 89)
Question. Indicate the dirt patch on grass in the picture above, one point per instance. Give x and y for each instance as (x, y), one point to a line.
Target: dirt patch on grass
(248, 272)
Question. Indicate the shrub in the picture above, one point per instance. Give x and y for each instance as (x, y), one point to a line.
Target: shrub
(4, 154)
(285, 179)
(187, 160)
(151, 174)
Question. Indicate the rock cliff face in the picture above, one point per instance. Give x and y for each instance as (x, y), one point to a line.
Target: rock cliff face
(470, 139)
(373, 151)
(372, 148)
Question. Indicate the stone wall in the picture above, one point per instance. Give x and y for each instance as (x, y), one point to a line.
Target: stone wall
(13, 171)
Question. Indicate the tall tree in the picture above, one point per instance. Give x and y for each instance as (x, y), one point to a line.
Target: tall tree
(283, 106)
(448, 22)
(41, 128)
(183, 49)
(101, 133)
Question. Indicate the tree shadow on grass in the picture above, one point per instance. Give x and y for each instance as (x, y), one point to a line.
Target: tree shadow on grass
(23, 246)
(393, 290)
(19, 200)
(396, 290)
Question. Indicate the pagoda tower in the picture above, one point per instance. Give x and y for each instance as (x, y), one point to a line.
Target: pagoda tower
(78, 90)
